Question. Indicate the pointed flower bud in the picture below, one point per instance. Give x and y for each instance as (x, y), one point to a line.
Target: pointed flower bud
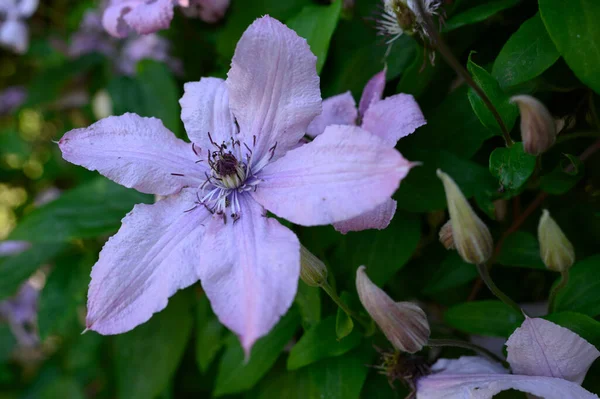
(446, 235)
(403, 323)
(312, 271)
(471, 237)
(538, 129)
(555, 248)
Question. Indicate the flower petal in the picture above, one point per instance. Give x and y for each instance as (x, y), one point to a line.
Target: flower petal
(372, 92)
(135, 152)
(204, 110)
(273, 87)
(143, 16)
(540, 347)
(477, 378)
(153, 255)
(337, 110)
(378, 218)
(26, 8)
(342, 173)
(210, 11)
(393, 118)
(249, 270)
(14, 35)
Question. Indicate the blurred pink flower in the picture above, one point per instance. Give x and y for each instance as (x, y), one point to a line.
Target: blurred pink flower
(14, 33)
(389, 119)
(546, 360)
(212, 225)
(148, 16)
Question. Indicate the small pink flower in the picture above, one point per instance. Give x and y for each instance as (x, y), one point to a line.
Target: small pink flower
(242, 162)
(389, 119)
(148, 16)
(547, 360)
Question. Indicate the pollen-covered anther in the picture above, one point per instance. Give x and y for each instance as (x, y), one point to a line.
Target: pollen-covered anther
(229, 171)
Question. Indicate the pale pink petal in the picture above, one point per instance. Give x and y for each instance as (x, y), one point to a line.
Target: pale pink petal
(372, 92)
(204, 110)
(378, 218)
(143, 16)
(337, 110)
(210, 11)
(153, 255)
(540, 347)
(273, 88)
(478, 378)
(393, 118)
(249, 270)
(135, 152)
(341, 174)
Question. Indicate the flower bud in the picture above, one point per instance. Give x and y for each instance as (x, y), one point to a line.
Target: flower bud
(555, 248)
(446, 235)
(538, 129)
(312, 271)
(471, 237)
(403, 323)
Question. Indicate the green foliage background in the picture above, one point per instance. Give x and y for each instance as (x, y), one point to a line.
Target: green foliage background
(549, 50)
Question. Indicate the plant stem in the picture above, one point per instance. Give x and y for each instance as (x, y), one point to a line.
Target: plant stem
(446, 52)
(564, 279)
(331, 292)
(487, 279)
(465, 345)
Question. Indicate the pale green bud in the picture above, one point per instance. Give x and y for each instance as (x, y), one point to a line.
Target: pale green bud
(538, 129)
(555, 248)
(470, 235)
(312, 271)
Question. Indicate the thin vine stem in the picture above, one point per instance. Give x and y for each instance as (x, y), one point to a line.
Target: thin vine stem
(331, 292)
(564, 280)
(487, 279)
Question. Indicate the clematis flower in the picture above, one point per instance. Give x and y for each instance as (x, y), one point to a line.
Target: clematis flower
(148, 16)
(547, 360)
(389, 119)
(400, 17)
(14, 33)
(212, 225)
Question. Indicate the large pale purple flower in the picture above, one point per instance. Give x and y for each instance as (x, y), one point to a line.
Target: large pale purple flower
(547, 360)
(14, 33)
(148, 16)
(213, 225)
(389, 119)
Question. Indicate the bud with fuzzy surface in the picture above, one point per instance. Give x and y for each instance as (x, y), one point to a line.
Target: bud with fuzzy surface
(555, 248)
(538, 129)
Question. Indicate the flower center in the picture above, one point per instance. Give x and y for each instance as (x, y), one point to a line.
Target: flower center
(229, 171)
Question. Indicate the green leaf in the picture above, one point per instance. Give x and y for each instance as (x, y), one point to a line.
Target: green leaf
(521, 249)
(493, 318)
(343, 322)
(452, 272)
(321, 342)
(63, 294)
(308, 300)
(558, 181)
(527, 54)
(316, 23)
(209, 334)
(574, 28)
(478, 13)
(90, 210)
(507, 111)
(581, 292)
(65, 387)
(7, 342)
(147, 357)
(582, 325)
(14, 270)
(512, 166)
(238, 375)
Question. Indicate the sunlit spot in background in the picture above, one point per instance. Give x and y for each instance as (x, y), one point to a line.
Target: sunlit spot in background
(10, 198)
(30, 124)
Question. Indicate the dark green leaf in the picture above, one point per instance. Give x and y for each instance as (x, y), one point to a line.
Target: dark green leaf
(521, 249)
(308, 300)
(582, 325)
(493, 318)
(451, 273)
(238, 375)
(63, 388)
(147, 357)
(14, 270)
(527, 54)
(320, 342)
(63, 294)
(478, 13)
(7, 342)
(512, 166)
(209, 334)
(90, 210)
(508, 112)
(316, 23)
(581, 292)
(343, 324)
(559, 181)
(574, 28)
